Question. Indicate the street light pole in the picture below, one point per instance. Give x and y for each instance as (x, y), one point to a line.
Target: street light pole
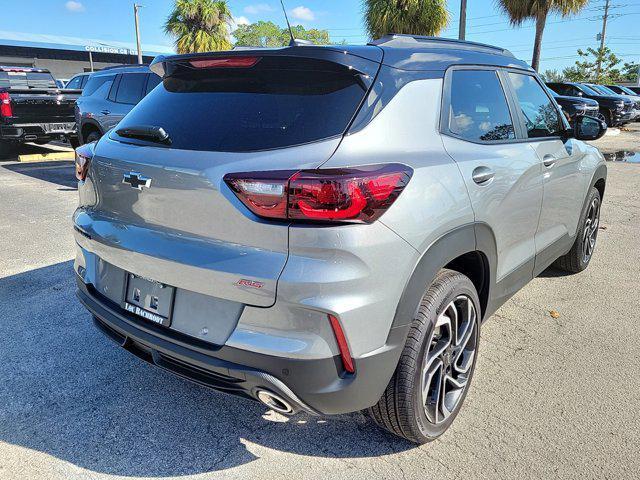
(135, 15)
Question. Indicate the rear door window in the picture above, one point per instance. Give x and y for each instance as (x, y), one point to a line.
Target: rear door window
(130, 88)
(541, 117)
(478, 108)
(75, 83)
(278, 102)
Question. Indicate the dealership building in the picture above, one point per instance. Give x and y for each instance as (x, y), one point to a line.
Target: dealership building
(66, 56)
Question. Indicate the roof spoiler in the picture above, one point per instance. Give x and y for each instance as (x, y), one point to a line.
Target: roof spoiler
(364, 59)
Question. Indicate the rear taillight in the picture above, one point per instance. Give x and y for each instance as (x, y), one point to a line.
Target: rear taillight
(224, 62)
(84, 154)
(358, 194)
(5, 105)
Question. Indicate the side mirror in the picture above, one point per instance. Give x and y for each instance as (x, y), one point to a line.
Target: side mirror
(588, 128)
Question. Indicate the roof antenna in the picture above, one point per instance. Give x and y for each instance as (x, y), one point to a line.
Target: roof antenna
(292, 42)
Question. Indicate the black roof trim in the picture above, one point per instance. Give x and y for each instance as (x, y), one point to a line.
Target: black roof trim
(406, 41)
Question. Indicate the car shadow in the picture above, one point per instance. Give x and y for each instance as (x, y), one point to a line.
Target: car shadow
(59, 172)
(69, 392)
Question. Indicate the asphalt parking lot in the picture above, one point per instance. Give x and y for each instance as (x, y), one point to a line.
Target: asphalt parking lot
(551, 397)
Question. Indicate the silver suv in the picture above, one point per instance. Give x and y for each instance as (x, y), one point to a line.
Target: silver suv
(324, 229)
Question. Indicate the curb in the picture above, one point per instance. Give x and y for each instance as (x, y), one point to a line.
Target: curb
(46, 157)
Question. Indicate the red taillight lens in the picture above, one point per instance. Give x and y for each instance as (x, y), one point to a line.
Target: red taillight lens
(84, 154)
(359, 194)
(343, 346)
(225, 62)
(5, 105)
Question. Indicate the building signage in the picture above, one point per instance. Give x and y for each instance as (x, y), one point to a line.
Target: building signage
(108, 49)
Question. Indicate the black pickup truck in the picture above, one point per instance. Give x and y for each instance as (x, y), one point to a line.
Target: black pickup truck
(33, 109)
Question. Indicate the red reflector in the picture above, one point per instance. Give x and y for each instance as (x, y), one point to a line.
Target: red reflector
(84, 154)
(343, 346)
(225, 62)
(359, 194)
(5, 105)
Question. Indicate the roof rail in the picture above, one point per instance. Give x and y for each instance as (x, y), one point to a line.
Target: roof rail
(406, 40)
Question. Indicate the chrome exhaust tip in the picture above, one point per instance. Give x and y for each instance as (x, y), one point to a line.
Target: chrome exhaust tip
(274, 402)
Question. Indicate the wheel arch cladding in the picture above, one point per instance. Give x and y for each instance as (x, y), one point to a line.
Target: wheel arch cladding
(469, 249)
(599, 180)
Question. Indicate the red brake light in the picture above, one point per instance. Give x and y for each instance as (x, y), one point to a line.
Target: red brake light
(343, 346)
(359, 194)
(84, 154)
(5, 105)
(225, 62)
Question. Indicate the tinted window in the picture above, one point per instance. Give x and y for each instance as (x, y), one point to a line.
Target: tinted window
(21, 79)
(95, 83)
(152, 83)
(130, 88)
(479, 109)
(84, 79)
(75, 83)
(540, 114)
(278, 102)
(587, 90)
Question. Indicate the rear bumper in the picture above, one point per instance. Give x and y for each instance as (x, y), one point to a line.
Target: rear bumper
(317, 386)
(30, 132)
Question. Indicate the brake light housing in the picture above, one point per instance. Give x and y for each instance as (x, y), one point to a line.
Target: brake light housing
(353, 195)
(224, 62)
(84, 154)
(5, 105)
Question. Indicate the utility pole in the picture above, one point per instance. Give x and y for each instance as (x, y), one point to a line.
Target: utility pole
(135, 15)
(602, 37)
(462, 29)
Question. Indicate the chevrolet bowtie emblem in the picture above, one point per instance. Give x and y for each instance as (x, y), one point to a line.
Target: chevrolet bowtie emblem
(136, 180)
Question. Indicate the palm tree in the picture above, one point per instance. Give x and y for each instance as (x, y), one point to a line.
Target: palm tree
(199, 25)
(416, 17)
(521, 10)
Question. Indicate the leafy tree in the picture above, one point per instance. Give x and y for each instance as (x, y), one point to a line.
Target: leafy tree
(587, 66)
(199, 25)
(520, 11)
(630, 72)
(553, 76)
(575, 74)
(268, 34)
(416, 17)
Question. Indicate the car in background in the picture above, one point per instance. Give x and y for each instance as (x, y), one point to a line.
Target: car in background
(635, 89)
(108, 96)
(627, 92)
(78, 81)
(61, 82)
(635, 110)
(33, 108)
(576, 106)
(614, 108)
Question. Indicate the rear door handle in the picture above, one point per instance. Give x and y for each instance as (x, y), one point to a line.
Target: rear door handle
(549, 160)
(105, 112)
(482, 175)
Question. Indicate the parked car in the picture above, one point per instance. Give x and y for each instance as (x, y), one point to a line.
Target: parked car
(33, 108)
(604, 90)
(324, 232)
(616, 110)
(577, 106)
(634, 89)
(627, 92)
(60, 82)
(77, 82)
(108, 96)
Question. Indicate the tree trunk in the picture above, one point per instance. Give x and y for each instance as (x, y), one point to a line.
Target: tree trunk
(541, 19)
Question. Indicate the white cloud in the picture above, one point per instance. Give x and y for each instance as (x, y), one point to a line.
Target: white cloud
(258, 8)
(73, 6)
(303, 13)
(236, 21)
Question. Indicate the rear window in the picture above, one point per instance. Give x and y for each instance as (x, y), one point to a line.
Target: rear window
(19, 80)
(279, 102)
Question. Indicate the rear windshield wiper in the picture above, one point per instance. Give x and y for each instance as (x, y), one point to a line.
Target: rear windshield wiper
(146, 132)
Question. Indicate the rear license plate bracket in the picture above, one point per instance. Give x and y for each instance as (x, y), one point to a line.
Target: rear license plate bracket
(149, 299)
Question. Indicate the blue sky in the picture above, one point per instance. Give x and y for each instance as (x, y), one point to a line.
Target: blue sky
(113, 20)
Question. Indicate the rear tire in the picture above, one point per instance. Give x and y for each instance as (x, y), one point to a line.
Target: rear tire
(93, 136)
(433, 374)
(581, 252)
